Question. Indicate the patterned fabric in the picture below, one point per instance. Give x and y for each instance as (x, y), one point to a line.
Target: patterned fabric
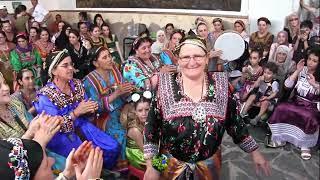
(170, 121)
(263, 43)
(18, 160)
(133, 151)
(101, 42)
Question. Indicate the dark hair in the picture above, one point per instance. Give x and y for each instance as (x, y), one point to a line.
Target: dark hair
(217, 20)
(75, 32)
(20, 74)
(46, 30)
(84, 15)
(110, 32)
(178, 31)
(315, 51)
(266, 20)
(169, 24)
(3, 33)
(22, 36)
(37, 30)
(136, 44)
(80, 23)
(273, 67)
(306, 24)
(95, 18)
(258, 51)
(201, 23)
(19, 9)
(94, 54)
(92, 27)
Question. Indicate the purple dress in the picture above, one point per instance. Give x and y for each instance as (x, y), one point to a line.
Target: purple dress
(298, 122)
(72, 133)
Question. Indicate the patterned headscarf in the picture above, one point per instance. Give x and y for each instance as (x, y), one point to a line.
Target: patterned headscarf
(54, 59)
(197, 41)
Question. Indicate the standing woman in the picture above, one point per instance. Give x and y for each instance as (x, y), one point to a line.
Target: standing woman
(167, 56)
(106, 86)
(22, 18)
(78, 54)
(5, 66)
(25, 56)
(292, 26)
(44, 45)
(240, 27)
(262, 39)
(65, 97)
(217, 28)
(96, 40)
(113, 44)
(188, 116)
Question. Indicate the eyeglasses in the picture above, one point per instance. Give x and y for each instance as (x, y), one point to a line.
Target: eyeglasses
(195, 57)
(294, 19)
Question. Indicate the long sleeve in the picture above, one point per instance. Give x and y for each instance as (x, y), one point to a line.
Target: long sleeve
(135, 75)
(15, 61)
(152, 131)
(237, 129)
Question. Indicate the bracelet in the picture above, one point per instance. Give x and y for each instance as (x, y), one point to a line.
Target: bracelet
(160, 162)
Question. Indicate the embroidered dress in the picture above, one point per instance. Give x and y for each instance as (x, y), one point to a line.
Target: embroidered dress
(99, 43)
(99, 90)
(190, 133)
(298, 122)
(250, 79)
(263, 43)
(44, 51)
(27, 102)
(73, 132)
(137, 72)
(167, 57)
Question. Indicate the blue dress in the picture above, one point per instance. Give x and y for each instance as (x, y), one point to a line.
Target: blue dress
(99, 90)
(72, 133)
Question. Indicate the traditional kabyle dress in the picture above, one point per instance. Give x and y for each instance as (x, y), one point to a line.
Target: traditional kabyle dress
(190, 133)
(298, 122)
(53, 102)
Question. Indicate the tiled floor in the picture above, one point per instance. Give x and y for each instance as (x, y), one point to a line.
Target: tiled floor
(285, 162)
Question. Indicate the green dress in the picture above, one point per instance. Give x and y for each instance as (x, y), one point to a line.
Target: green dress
(20, 60)
(111, 43)
(134, 153)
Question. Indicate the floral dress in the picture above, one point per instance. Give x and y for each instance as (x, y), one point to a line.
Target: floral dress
(190, 133)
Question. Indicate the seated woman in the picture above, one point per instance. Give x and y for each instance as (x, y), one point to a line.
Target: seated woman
(64, 96)
(167, 56)
(240, 27)
(95, 39)
(27, 93)
(44, 45)
(25, 56)
(282, 39)
(298, 122)
(142, 67)
(136, 118)
(264, 92)
(106, 86)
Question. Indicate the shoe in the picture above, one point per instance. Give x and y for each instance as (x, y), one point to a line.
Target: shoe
(255, 121)
(305, 154)
(273, 144)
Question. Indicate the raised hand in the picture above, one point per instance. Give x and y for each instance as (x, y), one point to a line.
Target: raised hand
(300, 65)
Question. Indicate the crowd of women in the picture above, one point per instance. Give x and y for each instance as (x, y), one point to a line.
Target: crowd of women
(72, 105)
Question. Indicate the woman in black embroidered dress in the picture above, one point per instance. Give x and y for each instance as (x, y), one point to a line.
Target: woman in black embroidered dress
(187, 119)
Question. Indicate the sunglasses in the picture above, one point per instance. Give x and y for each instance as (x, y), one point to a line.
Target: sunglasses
(136, 96)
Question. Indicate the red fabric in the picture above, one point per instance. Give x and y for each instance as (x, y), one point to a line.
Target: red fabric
(136, 172)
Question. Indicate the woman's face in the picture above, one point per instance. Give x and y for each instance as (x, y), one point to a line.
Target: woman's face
(202, 31)
(282, 39)
(176, 39)
(60, 26)
(35, 24)
(161, 37)
(83, 28)
(294, 21)
(44, 171)
(96, 32)
(68, 31)
(254, 58)
(312, 62)
(64, 70)
(27, 81)
(105, 31)
(217, 26)
(99, 20)
(73, 39)
(104, 61)
(4, 91)
(237, 27)
(2, 38)
(262, 26)
(44, 36)
(169, 30)
(281, 57)
(142, 110)
(144, 51)
(192, 61)
(33, 33)
(22, 42)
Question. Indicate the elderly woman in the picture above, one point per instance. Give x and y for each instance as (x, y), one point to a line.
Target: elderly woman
(167, 56)
(187, 120)
(65, 97)
(297, 122)
(262, 39)
(142, 67)
(282, 39)
(106, 86)
(240, 27)
(157, 46)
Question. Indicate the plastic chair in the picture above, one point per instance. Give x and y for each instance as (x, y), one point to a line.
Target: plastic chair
(134, 172)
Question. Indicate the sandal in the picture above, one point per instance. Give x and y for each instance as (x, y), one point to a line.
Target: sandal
(273, 144)
(305, 154)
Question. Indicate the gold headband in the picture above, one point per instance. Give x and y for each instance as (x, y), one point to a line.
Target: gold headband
(196, 42)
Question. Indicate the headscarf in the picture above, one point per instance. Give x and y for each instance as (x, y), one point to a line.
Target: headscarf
(195, 40)
(241, 24)
(19, 159)
(54, 59)
(287, 65)
(286, 35)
